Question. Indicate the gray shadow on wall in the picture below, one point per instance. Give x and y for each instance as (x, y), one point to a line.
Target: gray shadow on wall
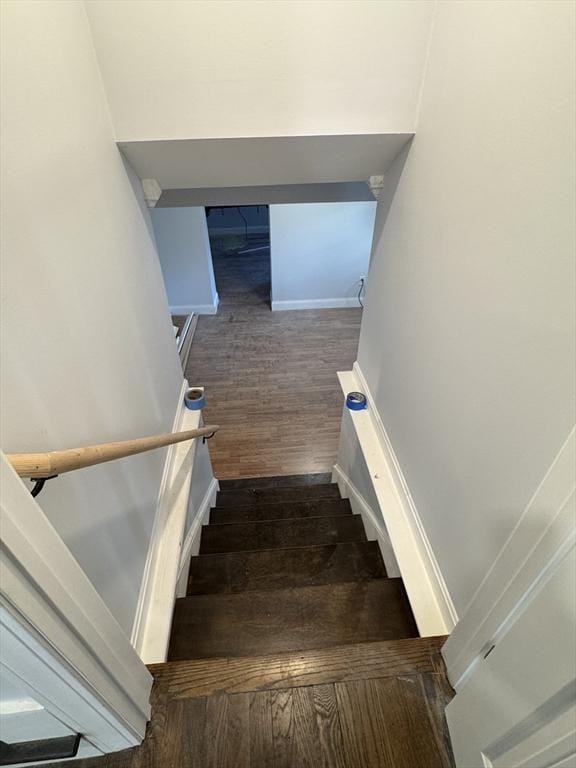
(386, 197)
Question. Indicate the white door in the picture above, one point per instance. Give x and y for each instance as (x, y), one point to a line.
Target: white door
(518, 707)
(66, 666)
(22, 717)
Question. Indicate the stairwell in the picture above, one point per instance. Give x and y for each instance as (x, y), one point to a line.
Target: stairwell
(292, 646)
(284, 565)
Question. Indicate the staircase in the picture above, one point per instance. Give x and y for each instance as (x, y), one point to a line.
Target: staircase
(285, 566)
(292, 647)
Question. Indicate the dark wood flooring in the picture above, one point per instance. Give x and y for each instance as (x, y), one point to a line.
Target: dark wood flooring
(302, 566)
(270, 377)
(293, 648)
(367, 705)
(280, 510)
(242, 497)
(271, 621)
(281, 534)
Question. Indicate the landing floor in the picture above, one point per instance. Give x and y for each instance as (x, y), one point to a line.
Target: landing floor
(270, 376)
(371, 705)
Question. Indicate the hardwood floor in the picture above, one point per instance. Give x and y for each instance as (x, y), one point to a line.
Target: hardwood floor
(278, 620)
(339, 664)
(242, 497)
(281, 534)
(281, 510)
(368, 705)
(302, 566)
(270, 377)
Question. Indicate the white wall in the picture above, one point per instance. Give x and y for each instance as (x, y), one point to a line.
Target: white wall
(202, 479)
(319, 252)
(352, 464)
(289, 67)
(136, 184)
(87, 346)
(351, 461)
(186, 259)
(467, 340)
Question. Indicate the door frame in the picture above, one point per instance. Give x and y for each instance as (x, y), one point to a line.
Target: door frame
(544, 534)
(59, 638)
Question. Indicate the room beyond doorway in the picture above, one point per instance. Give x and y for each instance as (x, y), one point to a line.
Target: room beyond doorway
(270, 377)
(240, 245)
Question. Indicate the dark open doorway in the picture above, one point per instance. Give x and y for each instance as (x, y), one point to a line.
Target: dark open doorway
(240, 245)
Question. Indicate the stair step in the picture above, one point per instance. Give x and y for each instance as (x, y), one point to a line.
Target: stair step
(250, 497)
(275, 621)
(280, 568)
(282, 510)
(281, 534)
(277, 481)
(341, 663)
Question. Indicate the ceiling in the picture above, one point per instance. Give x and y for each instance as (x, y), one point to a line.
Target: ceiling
(339, 192)
(279, 160)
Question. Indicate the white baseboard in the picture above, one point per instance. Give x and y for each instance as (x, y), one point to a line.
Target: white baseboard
(191, 544)
(373, 525)
(429, 597)
(153, 619)
(197, 309)
(279, 306)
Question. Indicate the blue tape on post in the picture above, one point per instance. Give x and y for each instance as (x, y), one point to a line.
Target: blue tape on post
(194, 399)
(355, 401)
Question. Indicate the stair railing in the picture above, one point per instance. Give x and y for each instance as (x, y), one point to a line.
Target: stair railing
(43, 466)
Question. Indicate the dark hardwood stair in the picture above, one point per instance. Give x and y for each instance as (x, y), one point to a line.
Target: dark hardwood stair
(282, 481)
(280, 534)
(293, 656)
(342, 663)
(275, 569)
(249, 496)
(261, 622)
(282, 510)
(284, 566)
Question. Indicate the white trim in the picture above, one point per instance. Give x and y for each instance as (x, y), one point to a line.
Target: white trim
(539, 541)
(182, 335)
(196, 309)
(279, 306)
(151, 629)
(373, 525)
(429, 597)
(146, 586)
(192, 541)
(58, 635)
(152, 191)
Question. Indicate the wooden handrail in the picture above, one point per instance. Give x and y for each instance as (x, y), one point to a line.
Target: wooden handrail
(57, 462)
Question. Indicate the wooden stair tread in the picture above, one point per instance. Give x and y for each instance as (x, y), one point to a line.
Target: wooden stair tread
(248, 497)
(342, 663)
(252, 623)
(280, 510)
(277, 481)
(275, 534)
(278, 568)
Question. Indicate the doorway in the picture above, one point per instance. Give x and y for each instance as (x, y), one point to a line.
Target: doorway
(240, 245)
